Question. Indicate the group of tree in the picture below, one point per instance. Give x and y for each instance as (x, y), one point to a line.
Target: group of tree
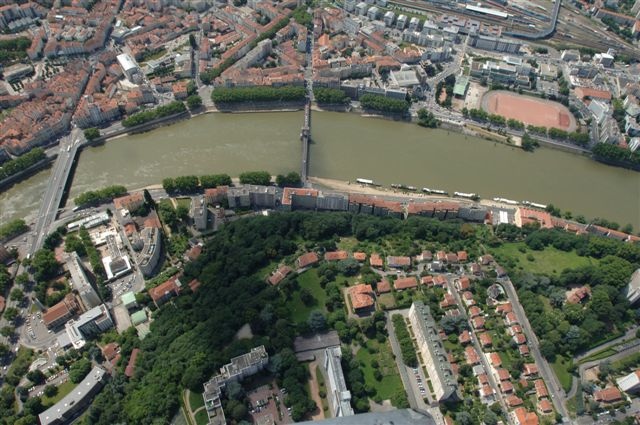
(91, 133)
(188, 336)
(427, 119)
(383, 104)
(445, 86)
(96, 197)
(262, 178)
(173, 108)
(13, 49)
(226, 95)
(616, 154)
(404, 339)
(529, 144)
(570, 328)
(325, 95)
(194, 101)
(13, 228)
(291, 179)
(22, 162)
(192, 184)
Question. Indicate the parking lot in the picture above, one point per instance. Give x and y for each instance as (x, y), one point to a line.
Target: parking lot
(266, 406)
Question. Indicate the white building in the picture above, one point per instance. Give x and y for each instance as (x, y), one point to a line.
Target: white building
(389, 17)
(633, 289)
(630, 383)
(129, 67)
(338, 394)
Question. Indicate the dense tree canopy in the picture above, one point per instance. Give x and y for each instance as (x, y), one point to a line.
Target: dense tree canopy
(22, 162)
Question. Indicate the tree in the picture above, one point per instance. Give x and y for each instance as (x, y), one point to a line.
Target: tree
(290, 180)
(36, 376)
(7, 331)
(50, 390)
(261, 178)
(194, 101)
(79, 369)
(306, 297)
(427, 119)
(74, 243)
(16, 295)
(490, 418)
(10, 313)
(464, 418)
(317, 321)
(91, 133)
(45, 264)
(182, 212)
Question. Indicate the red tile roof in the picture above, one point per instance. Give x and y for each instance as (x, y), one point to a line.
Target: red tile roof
(523, 417)
(485, 339)
(405, 283)
(462, 256)
(161, 290)
(375, 260)
(465, 337)
(464, 283)
(495, 359)
(513, 401)
(471, 355)
(110, 351)
(336, 255)
(361, 296)
(383, 286)
(307, 259)
(427, 280)
(608, 395)
(279, 274)
(541, 388)
(530, 369)
(359, 256)
(545, 406)
(503, 374)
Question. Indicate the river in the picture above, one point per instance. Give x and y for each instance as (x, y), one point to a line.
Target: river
(347, 146)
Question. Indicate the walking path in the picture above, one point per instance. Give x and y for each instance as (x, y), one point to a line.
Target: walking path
(315, 391)
(630, 334)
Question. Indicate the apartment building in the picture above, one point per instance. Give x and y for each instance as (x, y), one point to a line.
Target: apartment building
(433, 352)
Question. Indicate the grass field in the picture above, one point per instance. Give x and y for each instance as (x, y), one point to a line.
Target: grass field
(322, 387)
(561, 368)
(390, 383)
(603, 354)
(195, 400)
(202, 418)
(63, 390)
(549, 261)
(387, 301)
(310, 281)
(186, 202)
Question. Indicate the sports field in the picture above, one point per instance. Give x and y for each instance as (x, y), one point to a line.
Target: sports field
(529, 110)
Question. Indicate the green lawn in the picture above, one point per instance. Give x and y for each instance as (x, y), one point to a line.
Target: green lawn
(548, 261)
(311, 281)
(63, 390)
(602, 354)
(195, 400)
(387, 301)
(390, 383)
(186, 202)
(202, 418)
(560, 367)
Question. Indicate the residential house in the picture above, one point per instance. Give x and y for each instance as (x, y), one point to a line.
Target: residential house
(362, 298)
(306, 260)
(402, 283)
(165, 291)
